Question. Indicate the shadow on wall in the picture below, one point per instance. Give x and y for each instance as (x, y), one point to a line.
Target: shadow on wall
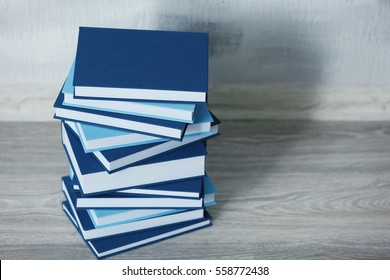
(260, 51)
(258, 64)
(254, 63)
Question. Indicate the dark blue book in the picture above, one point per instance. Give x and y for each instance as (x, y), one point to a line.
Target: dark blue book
(184, 188)
(117, 215)
(183, 112)
(109, 246)
(91, 231)
(141, 64)
(116, 159)
(143, 125)
(126, 200)
(93, 178)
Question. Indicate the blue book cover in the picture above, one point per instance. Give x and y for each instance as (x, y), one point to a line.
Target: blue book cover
(143, 125)
(139, 201)
(91, 231)
(109, 246)
(182, 164)
(183, 188)
(142, 59)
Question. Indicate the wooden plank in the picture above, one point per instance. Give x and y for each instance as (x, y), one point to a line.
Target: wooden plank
(287, 190)
(230, 102)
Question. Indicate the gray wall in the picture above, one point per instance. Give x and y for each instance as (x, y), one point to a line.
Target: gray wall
(322, 42)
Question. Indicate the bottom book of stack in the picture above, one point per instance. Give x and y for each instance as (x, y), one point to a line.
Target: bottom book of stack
(158, 212)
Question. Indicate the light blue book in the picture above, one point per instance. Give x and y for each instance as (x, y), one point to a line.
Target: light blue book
(100, 138)
(90, 231)
(71, 173)
(110, 217)
(119, 243)
(182, 112)
(209, 191)
(116, 159)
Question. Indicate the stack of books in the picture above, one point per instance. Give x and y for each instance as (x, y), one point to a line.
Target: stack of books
(134, 123)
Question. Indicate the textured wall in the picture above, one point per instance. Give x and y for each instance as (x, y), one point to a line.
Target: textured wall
(322, 42)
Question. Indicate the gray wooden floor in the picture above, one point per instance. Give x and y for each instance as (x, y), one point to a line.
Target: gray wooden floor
(287, 190)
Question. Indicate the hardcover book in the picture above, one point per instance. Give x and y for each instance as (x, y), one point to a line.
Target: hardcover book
(113, 245)
(143, 125)
(183, 188)
(112, 216)
(123, 200)
(98, 138)
(108, 217)
(182, 112)
(93, 178)
(117, 159)
(91, 231)
(141, 64)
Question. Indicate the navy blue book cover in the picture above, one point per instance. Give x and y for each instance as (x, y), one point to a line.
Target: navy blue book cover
(142, 59)
(193, 185)
(88, 164)
(77, 194)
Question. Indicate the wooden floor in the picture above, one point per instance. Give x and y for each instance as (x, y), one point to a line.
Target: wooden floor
(287, 190)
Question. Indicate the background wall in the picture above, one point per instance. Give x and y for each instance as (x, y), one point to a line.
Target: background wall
(314, 55)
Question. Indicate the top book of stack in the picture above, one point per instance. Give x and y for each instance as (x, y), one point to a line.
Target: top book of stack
(141, 65)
